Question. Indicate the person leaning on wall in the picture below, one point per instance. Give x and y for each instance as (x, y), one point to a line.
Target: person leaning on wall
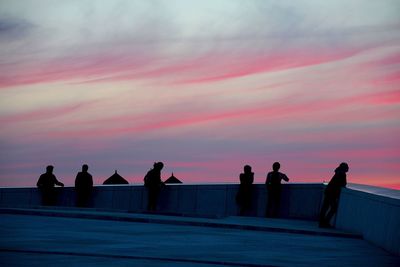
(153, 183)
(46, 184)
(274, 189)
(243, 197)
(331, 195)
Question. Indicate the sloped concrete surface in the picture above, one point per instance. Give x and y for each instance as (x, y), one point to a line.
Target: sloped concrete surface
(159, 240)
(230, 222)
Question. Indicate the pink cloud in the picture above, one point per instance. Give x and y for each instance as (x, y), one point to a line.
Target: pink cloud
(392, 78)
(149, 122)
(72, 68)
(45, 113)
(212, 66)
(216, 66)
(227, 66)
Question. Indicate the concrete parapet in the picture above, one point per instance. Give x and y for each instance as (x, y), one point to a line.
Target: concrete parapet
(301, 201)
(371, 212)
(375, 217)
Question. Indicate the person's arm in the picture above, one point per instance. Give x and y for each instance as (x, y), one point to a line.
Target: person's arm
(77, 181)
(252, 178)
(90, 181)
(159, 181)
(285, 178)
(39, 182)
(57, 182)
(268, 180)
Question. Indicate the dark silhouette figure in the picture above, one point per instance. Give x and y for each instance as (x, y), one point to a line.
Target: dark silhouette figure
(115, 179)
(153, 182)
(83, 186)
(46, 184)
(331, 196)
(243, 197)
(274, 189)
(172, 180)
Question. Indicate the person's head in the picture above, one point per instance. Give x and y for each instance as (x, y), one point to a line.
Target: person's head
(85, 167)
(158, 165)
(49, 169)
(276, 166)
(247, 168)
(344, 167)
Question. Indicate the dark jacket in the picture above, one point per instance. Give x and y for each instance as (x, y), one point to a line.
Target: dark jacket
(274, 179)
(153, 178)
(47, 180)
(83, 181)
(337, 182)
(246, 179)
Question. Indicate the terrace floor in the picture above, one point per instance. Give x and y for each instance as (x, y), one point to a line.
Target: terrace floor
(74, 237)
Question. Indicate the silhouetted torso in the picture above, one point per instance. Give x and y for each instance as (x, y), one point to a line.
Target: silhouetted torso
(243, 198)
(153, 178)
(246, 179)
(83, 181)
(274, 179)
(47, 180)
(274, 188)
(153, 182)
(336, 183)
(46, 184)
(83, 188)
(332, 192)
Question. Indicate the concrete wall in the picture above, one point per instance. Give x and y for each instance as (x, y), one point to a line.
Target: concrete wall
(370, 211)
(298, 200)
(376, 217)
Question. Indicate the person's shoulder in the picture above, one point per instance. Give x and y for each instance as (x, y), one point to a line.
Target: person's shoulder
(47, 175)
(149, 173)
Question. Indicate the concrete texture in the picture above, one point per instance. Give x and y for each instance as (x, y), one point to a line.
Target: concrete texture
(375, 216)
(371, 212)
(299, 201)
(232, 222)
(59, 241)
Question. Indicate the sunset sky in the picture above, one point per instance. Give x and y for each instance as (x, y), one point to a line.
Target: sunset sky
(204, 86)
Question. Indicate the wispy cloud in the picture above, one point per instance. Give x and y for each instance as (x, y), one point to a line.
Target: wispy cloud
(206, 86)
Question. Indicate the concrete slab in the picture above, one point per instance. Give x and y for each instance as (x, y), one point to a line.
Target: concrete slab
(43, 240)
(231, 222)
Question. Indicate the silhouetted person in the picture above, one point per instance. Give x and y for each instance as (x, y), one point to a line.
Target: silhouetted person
(83, 186)
(46, 184)
(153, 182)
(274, 189)
(115, 179)
(332, 193)
(243, 197)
